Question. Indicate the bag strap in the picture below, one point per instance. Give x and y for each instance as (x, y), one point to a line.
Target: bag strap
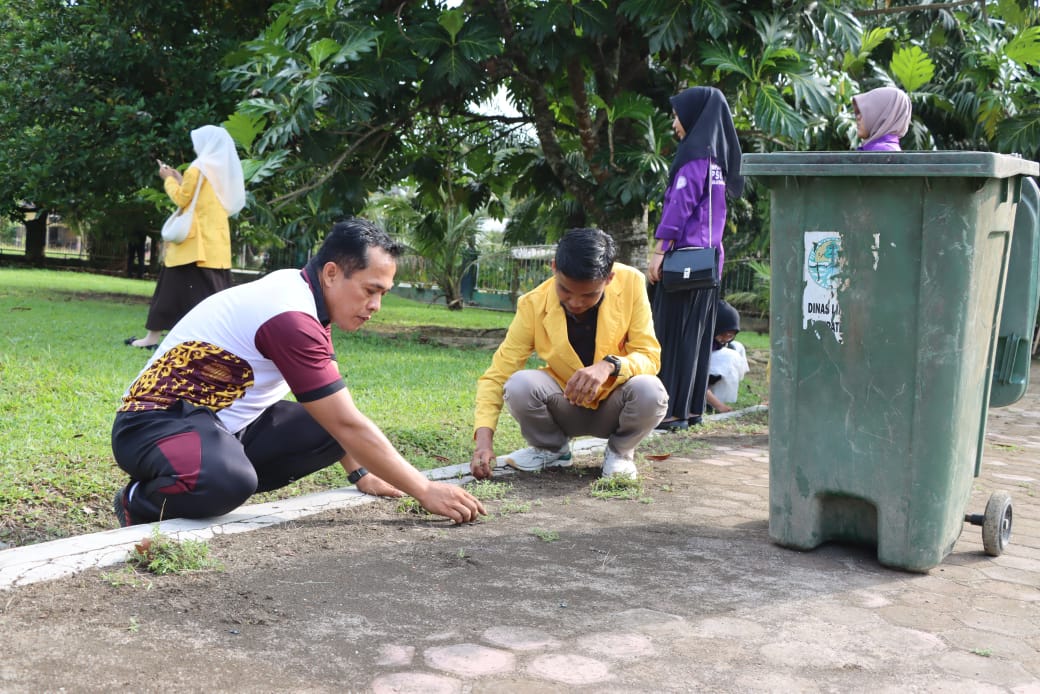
(711, 227)
(195, 196)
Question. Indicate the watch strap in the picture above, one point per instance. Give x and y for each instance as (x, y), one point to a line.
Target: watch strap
(354, 476)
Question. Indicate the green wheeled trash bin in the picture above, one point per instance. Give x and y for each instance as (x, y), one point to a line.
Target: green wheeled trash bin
(888, 276)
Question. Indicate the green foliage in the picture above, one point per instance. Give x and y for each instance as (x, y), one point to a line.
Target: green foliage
(161, 555)
(488, 490)
(545, 535)
(616, 488)
(756, 300)
(410, 506)
(912, 67)
(94, 92)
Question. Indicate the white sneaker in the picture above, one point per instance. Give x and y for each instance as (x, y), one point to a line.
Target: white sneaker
(533, 459)
(617, 465)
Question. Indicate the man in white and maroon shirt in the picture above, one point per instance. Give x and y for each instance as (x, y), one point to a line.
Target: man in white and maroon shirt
(205, 424)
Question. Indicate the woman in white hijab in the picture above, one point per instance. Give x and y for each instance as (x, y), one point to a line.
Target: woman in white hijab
(200, 265)
(882, 117)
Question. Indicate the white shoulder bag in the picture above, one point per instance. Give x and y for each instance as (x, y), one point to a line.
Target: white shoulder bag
(178, 224)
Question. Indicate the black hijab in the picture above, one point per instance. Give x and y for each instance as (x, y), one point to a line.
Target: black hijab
(705, 117)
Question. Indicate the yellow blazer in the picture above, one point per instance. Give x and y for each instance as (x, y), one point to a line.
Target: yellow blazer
(624, 327)
(209, 242)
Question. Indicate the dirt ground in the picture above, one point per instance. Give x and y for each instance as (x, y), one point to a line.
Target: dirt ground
(677, 590)
(312, 605)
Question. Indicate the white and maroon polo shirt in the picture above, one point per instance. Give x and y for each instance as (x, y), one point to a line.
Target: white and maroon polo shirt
(242, 350)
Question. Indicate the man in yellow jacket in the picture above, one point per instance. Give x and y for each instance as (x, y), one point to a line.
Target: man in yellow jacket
(591, 324)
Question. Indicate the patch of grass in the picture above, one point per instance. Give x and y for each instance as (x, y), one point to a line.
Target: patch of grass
(545, 535)
(514, 507)
(64, 367)
(616, 488)
(488, 490)
(160, 555)
(983, 652)
(398, 311)
(126, 576)
(407, 504)
(748, 424)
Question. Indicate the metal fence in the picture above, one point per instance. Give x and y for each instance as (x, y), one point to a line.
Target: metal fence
(516, 271)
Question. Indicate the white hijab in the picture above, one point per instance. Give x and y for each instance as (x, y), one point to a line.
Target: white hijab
(216, 158)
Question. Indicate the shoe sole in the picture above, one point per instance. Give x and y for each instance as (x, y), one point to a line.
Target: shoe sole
(562, 462)
(119, 509)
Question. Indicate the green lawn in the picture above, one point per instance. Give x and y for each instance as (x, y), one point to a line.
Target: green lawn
(63, 368)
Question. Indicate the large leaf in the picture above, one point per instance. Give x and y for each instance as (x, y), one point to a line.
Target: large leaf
(244, 129)
(1024, 49)
(774, 115)
(728, 59)
(1021, 134)
(666, 22)
(320, 51)
(912, 67)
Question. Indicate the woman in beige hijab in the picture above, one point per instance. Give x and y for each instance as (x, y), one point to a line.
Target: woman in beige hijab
(882, 117)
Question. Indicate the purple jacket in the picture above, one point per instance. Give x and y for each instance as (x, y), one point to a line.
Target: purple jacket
(885, 143)
(684, 218)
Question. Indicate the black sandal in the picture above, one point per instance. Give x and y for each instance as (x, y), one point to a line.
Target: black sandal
(129, 342)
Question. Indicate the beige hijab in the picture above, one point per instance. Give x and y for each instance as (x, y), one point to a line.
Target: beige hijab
(885, 110)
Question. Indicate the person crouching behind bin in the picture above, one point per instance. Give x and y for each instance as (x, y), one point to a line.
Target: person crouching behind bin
(728, 363)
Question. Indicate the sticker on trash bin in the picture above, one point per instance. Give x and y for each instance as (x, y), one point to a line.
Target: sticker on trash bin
(822, 275)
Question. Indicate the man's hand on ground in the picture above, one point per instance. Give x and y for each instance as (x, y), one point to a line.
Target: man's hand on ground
(451, 502)
(483, 462)
(376, 486)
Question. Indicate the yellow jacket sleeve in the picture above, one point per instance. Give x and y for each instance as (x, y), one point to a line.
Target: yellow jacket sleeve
(209, 242)
(624, 328)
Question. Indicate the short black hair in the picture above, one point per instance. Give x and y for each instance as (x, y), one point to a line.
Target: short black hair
(348, 243)
(585, 254)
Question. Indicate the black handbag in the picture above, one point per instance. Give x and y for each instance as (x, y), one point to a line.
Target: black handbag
(684, 269)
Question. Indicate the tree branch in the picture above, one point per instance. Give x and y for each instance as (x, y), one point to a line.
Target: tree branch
(280, 202)
(919, 8)
(586, 130)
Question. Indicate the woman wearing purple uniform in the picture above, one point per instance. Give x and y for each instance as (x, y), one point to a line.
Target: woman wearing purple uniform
(882, 117)
(705, 169)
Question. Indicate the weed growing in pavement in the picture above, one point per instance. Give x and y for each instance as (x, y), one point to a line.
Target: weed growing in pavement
(617, 488)
(984, 652)
(408, 504)
(545, 535)
(134, 626)
(126, 576)
(160, 554)
(515, 507)
(486, 490)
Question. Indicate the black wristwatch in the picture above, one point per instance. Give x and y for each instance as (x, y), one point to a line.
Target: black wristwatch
(615, 361)
(353, 477)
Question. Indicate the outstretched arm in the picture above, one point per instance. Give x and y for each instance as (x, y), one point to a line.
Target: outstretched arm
(370, 448)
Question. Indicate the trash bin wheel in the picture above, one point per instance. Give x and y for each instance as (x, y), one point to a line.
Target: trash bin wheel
(996, 524)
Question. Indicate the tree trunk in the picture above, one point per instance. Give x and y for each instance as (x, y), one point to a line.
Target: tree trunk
(36, 238)
(630, 235)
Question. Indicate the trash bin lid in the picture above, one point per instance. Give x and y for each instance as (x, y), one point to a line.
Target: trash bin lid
(888, 164)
